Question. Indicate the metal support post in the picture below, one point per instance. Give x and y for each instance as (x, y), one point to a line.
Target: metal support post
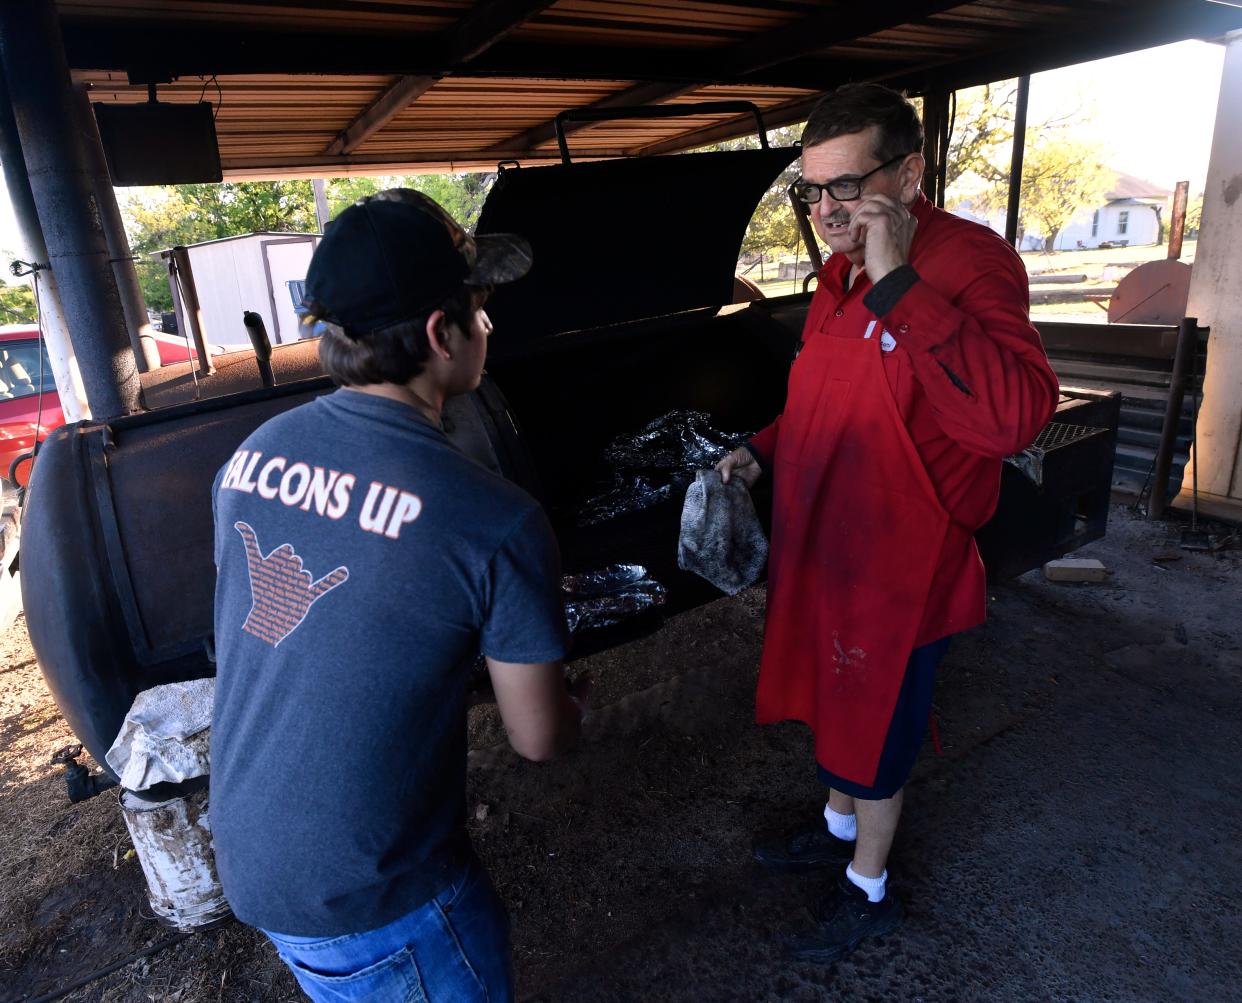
(935, 144)
(320, 187)
(1183, 363)
(51, 316)
(138, 325)
(803, 219)
(191, 312)
(1015, 160)
(1177, 225)
(45, 109)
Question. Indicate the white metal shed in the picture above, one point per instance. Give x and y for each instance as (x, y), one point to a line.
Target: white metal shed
(249, 272)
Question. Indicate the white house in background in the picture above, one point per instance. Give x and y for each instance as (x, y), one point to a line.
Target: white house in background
(1131, 215)
(996, 221)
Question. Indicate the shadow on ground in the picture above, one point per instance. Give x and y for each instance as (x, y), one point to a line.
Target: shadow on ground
(1077, 840)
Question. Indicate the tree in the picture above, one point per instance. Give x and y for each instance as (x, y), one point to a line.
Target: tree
(160, 218)
(1194, 215)
(773, 225)
(1060, 177)
(981, 143)
(982, 134)
(461, 195)
(17, 304)
(164, 217)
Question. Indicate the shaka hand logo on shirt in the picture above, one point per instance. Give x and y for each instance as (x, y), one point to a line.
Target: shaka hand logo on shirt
(282, 592)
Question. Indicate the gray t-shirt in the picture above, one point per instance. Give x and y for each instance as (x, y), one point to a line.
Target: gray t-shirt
(363, 562)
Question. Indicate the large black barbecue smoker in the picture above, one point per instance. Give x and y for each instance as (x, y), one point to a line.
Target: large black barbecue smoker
(589, 347)
(593, 346)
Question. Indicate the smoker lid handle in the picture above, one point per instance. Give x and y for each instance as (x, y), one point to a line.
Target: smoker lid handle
(656, 111)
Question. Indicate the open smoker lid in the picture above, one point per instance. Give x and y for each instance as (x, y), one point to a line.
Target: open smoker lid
(623, 240)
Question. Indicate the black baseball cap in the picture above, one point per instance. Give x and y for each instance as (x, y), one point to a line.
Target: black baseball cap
(397, 255)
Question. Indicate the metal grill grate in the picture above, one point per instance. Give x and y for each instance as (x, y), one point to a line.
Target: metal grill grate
(1056, 435)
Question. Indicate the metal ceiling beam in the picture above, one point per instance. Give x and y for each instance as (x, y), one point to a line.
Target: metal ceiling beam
(1152, 23)
(1145, 25)
(659, 73)
(261, 167)
(161, 52)
(773, 118)
(814, 33)
(473, 35)
(394, 100)
(525, 142)
(147, 51)
(825, 28)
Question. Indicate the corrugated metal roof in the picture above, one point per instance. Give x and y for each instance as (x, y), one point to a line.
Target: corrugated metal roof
(1127, 186)
(313, 87)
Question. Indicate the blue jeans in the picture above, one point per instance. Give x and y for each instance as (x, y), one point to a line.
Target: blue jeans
(454, 947)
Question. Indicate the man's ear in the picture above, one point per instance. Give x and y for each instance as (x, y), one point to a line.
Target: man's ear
(437, 335)
(912, 169)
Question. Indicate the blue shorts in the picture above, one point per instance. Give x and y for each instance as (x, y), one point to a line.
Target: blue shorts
(454, 947)
(906, 731)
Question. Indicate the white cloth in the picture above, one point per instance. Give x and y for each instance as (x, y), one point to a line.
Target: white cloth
(165, 736)
(721, 539)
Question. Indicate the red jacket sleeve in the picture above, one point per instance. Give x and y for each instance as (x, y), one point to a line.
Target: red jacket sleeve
(974, 351)
(763, 444)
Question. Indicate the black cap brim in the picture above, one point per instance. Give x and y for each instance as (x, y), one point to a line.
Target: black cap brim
(499, 258)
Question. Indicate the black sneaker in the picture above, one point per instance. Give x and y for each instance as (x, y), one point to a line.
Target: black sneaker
(843, 918)
(809, 848)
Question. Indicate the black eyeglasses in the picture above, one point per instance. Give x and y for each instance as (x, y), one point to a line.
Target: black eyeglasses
(841, 189)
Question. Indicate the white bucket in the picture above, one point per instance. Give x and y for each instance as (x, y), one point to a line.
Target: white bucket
(173, 843)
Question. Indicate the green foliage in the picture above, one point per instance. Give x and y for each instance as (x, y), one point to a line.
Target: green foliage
(982, 134)
(461, 195)
(1062, 171)
(160, 218)
(1060, 177)
(773, 228)
(1194, 214)
(17, 304)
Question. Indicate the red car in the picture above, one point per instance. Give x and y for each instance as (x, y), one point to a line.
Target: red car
(21, 397)
(22, 394)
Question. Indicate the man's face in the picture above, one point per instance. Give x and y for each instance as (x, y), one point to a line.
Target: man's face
(849, 157)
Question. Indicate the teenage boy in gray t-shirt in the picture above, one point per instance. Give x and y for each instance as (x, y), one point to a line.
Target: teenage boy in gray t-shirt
(363, 563)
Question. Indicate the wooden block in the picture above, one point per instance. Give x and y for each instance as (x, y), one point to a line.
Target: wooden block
(1075, 570)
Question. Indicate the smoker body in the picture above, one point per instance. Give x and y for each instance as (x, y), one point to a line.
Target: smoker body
(118, 570)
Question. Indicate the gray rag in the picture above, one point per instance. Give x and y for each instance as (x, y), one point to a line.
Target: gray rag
(721, 539)
(165, 736)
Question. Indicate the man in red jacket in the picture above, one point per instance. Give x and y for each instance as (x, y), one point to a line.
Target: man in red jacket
(919, 372)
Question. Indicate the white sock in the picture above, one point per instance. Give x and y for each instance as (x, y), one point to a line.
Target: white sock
(841, 826)
(874, 887)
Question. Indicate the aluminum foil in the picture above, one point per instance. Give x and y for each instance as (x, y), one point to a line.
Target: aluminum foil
(609, 596)
(656, 463)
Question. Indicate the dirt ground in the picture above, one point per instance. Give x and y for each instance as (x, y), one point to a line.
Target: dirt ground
(1080, 837)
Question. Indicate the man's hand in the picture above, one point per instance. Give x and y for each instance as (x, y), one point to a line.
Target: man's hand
(885, 228)
(740, 463)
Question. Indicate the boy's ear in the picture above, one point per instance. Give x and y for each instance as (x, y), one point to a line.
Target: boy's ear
(437, 335)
